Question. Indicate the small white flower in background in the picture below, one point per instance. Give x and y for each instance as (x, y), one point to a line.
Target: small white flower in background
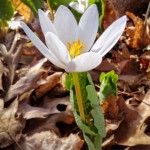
(79, 6)
(70, 45)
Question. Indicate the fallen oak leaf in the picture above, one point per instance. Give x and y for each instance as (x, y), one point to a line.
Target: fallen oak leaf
(110, 108)
(10, 125)
(26, 83)
(49, 107)
(139, 147)
(60, 88)
(131, 131)
(110, 15)
(131, 79)
(48, 140)
(61, 111)
(11, 57)
(39, 125)
(106, 66)
(49, 83)
(2, 71)
(29, 111)
(138, 35)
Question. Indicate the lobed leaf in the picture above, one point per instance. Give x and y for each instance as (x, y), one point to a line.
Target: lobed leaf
(108, 85)
(10, 126)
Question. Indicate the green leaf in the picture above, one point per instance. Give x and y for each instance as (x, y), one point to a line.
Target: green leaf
(108, 85)
(69, 82)
(92, 95)
(105, 90)
(90, 79)
(6, 10)
(83, 82)
(101, 8)
(89, 142)
(34, 5)
(96, 145)
(94, 127)
(98, 142)
(99, 122)
(96, 112)
(79, 122)
(82, 126)
(102, 76)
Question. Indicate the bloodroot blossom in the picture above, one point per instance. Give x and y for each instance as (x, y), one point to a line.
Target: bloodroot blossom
(71, 46)
(79, 6)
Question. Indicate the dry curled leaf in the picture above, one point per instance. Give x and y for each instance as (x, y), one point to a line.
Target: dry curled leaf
(29, 111)
(27, 82)
(23, 9)
(10, 125)
(47, 140)
(110, 107)
(110, 14)
(137, 33)
(60, 111)
(49, 83)
(122, 6)
(132, 130)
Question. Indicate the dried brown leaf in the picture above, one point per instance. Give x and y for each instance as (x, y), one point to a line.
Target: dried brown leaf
(129, 67)
(122, 53)
(10, 126)
(60, 89)
(34, 112)
(131, 79)
(138, 35)
(49, 83)
(23, 9)
(50, 141)
(26, 83)
(48, 107)
(110, 107)
(61, 111)
(145, 105)
(132, 129)
(139, 147)
(107, 65)
(110, 14)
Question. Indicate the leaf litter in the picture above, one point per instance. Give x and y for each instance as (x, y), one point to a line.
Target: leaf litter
(35, 111)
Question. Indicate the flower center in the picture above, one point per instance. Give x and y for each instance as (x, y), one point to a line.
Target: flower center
(75, 48)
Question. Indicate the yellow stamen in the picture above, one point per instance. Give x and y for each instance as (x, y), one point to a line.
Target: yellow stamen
(75, 48)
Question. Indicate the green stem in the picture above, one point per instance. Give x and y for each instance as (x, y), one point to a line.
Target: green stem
(79, 96)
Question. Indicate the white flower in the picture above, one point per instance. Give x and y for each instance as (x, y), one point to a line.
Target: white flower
(79, 6)
(69, 45)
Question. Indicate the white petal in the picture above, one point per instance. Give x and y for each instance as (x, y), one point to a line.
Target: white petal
(88, 26)
(42, 48)
(110, 36)
(58, 49)
(78, 7)
(65, 25)
(46, 23)
(84, 62)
